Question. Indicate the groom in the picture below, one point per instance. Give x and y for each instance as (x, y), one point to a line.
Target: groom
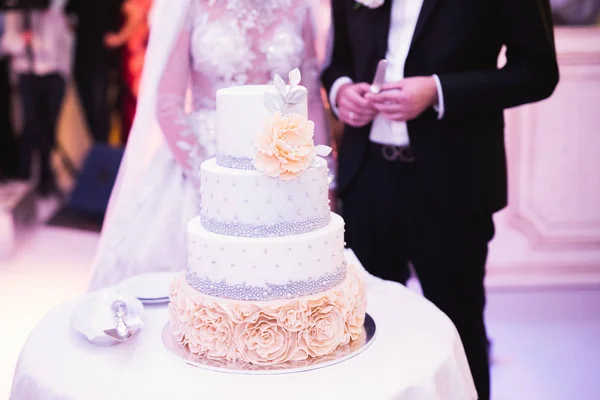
(422, 163)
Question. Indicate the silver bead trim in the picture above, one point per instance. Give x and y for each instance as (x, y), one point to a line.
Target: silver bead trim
(260, 231)
(225, 160)
(269, 291)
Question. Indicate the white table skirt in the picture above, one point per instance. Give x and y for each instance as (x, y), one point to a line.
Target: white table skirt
(416, 355)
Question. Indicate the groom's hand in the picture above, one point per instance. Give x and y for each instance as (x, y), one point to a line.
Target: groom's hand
(406, 99)
(353, 108)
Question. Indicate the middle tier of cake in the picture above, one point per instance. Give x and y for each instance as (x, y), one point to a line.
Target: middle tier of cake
(266, 268)
(248, 203)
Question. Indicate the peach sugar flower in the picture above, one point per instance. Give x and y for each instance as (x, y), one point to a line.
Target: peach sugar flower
(212, 333)
(294, 317)
(177, 327)
(353, 311)
(327, 331)
(286, 148)
(265, 341)
(244, 311)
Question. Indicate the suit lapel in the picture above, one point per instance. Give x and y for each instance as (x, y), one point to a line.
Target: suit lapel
(426, 9)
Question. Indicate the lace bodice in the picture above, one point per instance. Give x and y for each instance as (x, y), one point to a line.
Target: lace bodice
(233, 42)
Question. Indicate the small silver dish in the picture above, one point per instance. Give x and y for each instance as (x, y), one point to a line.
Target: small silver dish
(93, 314)
(122, 332)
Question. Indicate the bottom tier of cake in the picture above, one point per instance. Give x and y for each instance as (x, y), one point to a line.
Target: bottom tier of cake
(268, 332)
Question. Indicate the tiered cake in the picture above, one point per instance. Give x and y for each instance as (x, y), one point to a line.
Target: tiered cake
(267, 281)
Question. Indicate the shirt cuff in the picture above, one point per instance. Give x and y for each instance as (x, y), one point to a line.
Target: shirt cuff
(334, 91)
(439, 107)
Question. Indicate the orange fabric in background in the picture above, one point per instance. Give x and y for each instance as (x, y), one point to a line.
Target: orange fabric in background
(132, 63)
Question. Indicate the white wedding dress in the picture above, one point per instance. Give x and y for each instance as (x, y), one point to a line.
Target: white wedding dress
(196, 46)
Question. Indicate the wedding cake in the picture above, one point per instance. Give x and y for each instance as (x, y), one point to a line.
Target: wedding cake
(267, 281)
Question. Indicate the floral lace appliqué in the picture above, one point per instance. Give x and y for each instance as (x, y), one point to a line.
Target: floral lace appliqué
(284, 51)
(220, 49)
(258, 14)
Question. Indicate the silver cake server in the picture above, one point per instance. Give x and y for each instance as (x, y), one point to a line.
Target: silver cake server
(123, 331)
(379, 79)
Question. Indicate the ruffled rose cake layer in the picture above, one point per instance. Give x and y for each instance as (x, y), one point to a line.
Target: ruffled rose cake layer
(270, 332)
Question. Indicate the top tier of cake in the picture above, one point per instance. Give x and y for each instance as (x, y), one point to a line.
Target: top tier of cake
(241, 116)
(268, 179)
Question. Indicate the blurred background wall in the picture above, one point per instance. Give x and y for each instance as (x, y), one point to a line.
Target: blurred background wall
(550, 232)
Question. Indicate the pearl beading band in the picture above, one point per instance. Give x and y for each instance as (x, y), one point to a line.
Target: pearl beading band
(262, 231)
(246, 292)
(225, 160)
(246, 163)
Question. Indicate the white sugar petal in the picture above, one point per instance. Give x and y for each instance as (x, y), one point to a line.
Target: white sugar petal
(323, 150)
(279, 85)
(295, 77)
(296, 96)
(273, 102)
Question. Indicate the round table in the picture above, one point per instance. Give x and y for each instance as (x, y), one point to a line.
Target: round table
(416, 354)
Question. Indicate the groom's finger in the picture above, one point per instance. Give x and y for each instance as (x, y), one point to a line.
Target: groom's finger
(353, 93)
(395, 96)
(390, 108)
(356, 120)
(392, 86)
(358, 111)
(396, 116)
(363, 88)
(354, 97)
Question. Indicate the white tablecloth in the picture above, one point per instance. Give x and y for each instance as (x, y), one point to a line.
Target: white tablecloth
(416, 355)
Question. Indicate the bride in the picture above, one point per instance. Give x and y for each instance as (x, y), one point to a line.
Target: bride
(197, 47)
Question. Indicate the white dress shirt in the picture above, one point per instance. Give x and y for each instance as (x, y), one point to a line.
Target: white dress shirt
(51, 42)
(404, 16)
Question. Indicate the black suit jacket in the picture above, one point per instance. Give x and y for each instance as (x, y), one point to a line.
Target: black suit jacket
(461, 158)
(96, 18)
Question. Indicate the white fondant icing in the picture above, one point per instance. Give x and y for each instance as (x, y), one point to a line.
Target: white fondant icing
(257, 262)
(251, 197)
(241, 115)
